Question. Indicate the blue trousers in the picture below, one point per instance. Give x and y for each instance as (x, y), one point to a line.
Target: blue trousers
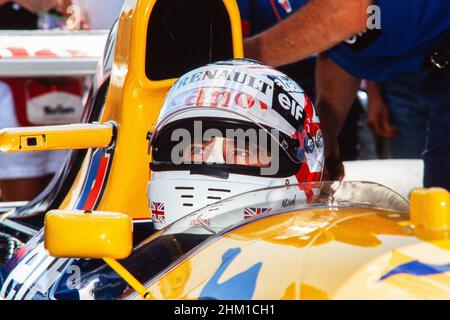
(409, 111)
(436, 91)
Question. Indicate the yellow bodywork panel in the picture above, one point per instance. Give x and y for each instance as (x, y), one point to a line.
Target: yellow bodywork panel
(63, 137)
(94, 235)
(303, 254)
(416, 271)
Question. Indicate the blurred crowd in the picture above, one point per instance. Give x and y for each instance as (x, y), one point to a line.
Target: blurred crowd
(24, 176)
(393, 105)
(58, 14)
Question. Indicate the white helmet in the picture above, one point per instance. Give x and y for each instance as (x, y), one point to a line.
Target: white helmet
(227, 128)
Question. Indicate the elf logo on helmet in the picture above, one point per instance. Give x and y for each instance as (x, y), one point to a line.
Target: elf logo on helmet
(289, 107)
(290, 104)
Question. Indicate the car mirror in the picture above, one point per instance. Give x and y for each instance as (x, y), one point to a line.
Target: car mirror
(89, 235)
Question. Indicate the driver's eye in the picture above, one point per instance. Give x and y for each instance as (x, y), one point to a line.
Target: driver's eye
(241, 153)
(196, 150)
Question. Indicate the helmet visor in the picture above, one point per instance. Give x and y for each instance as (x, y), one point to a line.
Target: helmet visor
(219, 146)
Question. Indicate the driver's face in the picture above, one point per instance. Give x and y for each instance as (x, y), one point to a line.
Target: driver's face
(221, 151)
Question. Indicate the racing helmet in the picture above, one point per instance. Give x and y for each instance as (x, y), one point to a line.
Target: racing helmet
(228, 128)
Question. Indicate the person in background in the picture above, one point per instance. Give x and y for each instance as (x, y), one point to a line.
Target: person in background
(97, 14)
(24, 176)
(258, 16)
(33, 14)
(398, 113)
(375, 40)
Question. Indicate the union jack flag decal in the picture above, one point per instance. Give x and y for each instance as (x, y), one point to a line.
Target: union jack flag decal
(253, 212)
(158, 214)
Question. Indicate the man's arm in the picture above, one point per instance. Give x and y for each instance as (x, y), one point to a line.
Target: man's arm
(336, 92)
(316, 27)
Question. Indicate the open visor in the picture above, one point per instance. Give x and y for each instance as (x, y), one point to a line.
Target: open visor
(224, 144)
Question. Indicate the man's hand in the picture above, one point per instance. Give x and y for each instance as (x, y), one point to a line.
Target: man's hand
(378, 114)
(334, 168)
(378, 120)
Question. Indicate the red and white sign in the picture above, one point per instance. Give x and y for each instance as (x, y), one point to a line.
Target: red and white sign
(49, 53)
(50, 44)
(47, 101)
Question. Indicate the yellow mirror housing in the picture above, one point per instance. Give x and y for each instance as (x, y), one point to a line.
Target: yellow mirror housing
(430, 215)
(89, 235)
(430, 208)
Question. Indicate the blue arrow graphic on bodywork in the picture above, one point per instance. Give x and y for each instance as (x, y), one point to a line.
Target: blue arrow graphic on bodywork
(240, 287)
(417, 268)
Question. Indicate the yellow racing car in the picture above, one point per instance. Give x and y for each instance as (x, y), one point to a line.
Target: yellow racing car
(88, 236)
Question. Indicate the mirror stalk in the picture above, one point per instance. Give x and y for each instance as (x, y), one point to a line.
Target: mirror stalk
(128, 277)
(61, 137)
